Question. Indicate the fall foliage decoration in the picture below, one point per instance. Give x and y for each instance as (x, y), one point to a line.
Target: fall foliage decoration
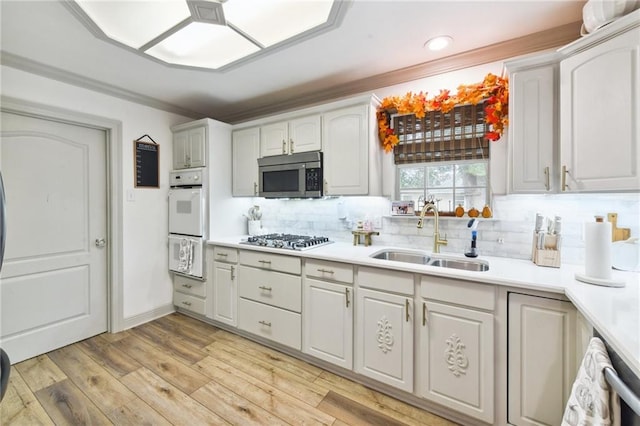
(493, 90)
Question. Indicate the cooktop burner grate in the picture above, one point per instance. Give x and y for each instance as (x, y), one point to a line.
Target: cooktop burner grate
(287, 241)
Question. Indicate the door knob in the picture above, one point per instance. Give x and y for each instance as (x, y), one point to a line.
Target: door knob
(101, 242)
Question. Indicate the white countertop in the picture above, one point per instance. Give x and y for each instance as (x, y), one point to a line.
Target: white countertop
(614, 312)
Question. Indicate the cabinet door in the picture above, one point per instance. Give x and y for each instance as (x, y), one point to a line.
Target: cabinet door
(384, 338)
(600, 101)
(196, 152)
(345, 137)
(327, 318)
(274, 139)
(541, 358)
(305, 134)
(246, 150)
(456, 359)
(225, 292)
(180, 146)
(532, 129)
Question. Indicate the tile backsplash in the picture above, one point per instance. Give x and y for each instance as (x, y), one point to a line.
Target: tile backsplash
(507, 234)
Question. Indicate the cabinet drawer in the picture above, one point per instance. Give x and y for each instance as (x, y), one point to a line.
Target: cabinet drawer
(225, 254)
(189, 286)
(387, 280)
(190, 303)
(481, 296)
(271, 323)
(272, 288)
(273, 262)
(333, 271)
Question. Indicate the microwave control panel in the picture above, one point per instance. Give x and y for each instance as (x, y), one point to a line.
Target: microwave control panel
(313, 179)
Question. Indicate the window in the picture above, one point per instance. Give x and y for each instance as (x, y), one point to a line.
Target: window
(452, 183)
(444, 155)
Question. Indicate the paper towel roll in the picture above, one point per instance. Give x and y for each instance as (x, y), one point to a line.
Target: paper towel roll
(597, 241)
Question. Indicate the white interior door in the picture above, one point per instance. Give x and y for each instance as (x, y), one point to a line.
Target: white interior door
(53, 288)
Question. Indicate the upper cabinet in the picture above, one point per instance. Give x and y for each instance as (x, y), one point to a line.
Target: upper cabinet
(600, 103)
(352, 156)
(190, 148)
(533, 128)
(246, 150)
(287, 137)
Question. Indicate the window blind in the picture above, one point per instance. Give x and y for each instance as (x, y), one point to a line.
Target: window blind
(442, 136)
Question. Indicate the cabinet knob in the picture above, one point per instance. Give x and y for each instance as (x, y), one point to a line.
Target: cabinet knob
(255, 188)
(565, 172)
(424, 313)
(233, 271)
(346, 294)
(187, 285)
(266, 323)
(186, 303)
(284, 146)
(265, 288)
(406, 305)
(547, 184)
(325, 271)
(291, 146)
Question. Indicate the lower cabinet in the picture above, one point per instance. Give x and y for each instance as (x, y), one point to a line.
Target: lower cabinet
(327, 313)
(384, 337)
(272, 323)
(541, 358)
(456, 359)
(225, 289)
(190, 294)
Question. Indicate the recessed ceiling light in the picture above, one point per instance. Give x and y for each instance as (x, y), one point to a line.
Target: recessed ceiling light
(439, 42)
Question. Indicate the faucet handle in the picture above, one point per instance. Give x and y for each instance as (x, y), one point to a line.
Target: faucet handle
(445, 237)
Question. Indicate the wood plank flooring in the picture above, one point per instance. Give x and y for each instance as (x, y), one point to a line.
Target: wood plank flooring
(177, 370)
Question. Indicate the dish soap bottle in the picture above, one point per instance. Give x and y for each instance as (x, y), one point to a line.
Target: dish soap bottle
(473, 251)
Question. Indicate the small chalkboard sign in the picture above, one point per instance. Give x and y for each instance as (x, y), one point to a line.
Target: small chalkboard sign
(146, 165)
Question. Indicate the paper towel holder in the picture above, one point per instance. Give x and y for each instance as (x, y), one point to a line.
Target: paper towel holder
(599, 281)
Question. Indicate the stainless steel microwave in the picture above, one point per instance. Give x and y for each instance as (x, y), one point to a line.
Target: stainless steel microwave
(291, 176)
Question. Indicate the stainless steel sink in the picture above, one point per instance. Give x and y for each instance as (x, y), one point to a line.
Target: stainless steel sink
(424, 259)
(467, 265)
(403, 256)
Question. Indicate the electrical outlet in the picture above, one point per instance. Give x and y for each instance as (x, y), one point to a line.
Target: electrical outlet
(500, 240)
(377, 222)
(131, 196)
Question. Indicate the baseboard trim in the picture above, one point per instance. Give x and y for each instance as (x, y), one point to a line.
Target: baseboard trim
(145, 317)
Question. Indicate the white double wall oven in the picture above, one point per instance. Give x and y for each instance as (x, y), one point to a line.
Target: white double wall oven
(188, 223)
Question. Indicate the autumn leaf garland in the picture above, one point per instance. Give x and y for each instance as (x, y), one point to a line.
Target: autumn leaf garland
(493, 90)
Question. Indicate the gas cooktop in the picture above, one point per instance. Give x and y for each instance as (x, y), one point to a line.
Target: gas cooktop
(287, 241)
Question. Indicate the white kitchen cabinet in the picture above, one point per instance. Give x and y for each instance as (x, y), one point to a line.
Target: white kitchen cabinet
(384, 333)
(352, 161)
(541, 358)
(533, 128)
(246, 150)
(189, 148)
(270, 297)
(600, 101)
(225, 289)
(327, 313)
(190, 294)
(455, 360)
(287, 137)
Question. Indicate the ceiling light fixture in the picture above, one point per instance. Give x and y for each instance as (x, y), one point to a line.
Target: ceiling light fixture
(438, 43)
(207, 33)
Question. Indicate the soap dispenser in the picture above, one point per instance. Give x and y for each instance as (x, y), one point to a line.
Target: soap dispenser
(473, 225)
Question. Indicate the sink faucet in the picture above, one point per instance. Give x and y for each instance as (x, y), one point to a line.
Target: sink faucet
(437, 242)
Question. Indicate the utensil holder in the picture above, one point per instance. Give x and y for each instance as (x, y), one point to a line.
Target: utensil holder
(254, 227)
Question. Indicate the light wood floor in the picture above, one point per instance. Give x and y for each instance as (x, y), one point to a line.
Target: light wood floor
(177, 370)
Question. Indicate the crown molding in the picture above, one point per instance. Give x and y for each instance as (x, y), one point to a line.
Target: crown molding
(54, 73)
(535, 42)
(245, 111)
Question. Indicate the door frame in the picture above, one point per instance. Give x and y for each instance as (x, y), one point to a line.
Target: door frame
(113, 132)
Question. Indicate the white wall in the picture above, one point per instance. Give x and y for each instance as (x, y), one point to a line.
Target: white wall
(146, 280)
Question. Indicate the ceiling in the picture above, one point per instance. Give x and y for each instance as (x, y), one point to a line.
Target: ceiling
(378, 43)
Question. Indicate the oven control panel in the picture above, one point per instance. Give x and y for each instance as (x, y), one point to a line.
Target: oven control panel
(313, 179)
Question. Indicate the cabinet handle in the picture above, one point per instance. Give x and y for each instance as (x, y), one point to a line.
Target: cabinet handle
(255, 188)
(284, 146)
(265, 288)
(328, 271)
(406, 305)
(265, 262)
(346, 293)
(424, 313)
(233, 272)
(565, 172)
(268, 324)
(547, 184)
(187, 285)
(291, 146)
(186, 303)
(222, 254)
